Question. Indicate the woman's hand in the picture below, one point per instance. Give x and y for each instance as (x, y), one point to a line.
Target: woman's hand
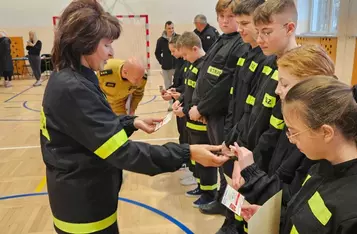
(147, 125)
(178, 112)
(203, 154)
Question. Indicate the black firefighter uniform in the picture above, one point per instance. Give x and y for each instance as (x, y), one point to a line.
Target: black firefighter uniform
(118, 89)
(85, 146)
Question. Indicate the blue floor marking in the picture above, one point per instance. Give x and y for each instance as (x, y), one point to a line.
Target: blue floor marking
(152, 209)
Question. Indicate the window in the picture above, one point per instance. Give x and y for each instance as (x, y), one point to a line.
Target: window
(324, 16)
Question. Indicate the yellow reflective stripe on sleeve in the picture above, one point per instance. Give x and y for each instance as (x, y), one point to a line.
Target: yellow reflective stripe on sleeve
(250, 100)
(245, 228)
(198, 179)
(214, 71)
(43, 126)
(275, 75)
(267, 70)
(307, 178)
(293, 230)
(269, 101)
(111, 145)
(238, 218)
(196, 127)
(191, 83)
(319, 209)
(194, 70)
(85, 227)
(231, 91)
(277, 123)
(193, 162)
(185, 69)
(208, 187)
(240, 62)
(253, 66)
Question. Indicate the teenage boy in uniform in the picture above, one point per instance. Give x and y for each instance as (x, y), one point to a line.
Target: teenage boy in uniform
(275, 21)
(214, 83)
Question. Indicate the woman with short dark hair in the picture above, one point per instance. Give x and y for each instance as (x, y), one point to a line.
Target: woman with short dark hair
(84, 143)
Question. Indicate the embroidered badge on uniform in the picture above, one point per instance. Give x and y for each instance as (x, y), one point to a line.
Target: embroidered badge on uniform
(110, 84)
(106, 72)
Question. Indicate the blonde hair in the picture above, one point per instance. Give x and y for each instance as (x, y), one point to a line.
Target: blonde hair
(222, 5)
(307, 60)
(325, 100)
(263, 14)
(189, 40)
(35, 39)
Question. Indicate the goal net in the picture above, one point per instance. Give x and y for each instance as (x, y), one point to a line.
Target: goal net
(134, 40)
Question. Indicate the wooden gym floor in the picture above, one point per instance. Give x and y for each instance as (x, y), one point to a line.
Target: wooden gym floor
(156, 204)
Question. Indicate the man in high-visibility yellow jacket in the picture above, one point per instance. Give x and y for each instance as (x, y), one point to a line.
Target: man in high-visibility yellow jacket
(123, 80)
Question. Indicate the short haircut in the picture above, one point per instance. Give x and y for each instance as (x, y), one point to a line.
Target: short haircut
(222, 5)
(247, 7)
(200, 19)
(189, 40)
(306, 61)
(168, 23)
(264, 13)
(173, 39)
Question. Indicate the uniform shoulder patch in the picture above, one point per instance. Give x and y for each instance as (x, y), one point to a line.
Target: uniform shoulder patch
(106, 72)
(110, 84)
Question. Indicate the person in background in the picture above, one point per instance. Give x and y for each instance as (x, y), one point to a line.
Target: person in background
(34, 47)
(163, 54)
(121, 79)
(206, 32)
(6, 66)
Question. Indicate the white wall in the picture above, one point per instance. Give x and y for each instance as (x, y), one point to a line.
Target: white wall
(17, 17)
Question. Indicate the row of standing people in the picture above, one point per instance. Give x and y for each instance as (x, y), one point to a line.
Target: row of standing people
(234, 94)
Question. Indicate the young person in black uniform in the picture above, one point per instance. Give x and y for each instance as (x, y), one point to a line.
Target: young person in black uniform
(249, 69)
(262, 122)
(288, 166)
(84, 144)
(191, 47)
(207, 33)
(320, 114)
(178, 86)
(214, 83)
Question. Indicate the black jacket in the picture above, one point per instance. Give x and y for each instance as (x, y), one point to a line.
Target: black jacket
(36, 49)
(249, 68)
(179, 79)
(216, 76)
(191, 78)
(262, 121)
(326, 203)
(85, 146)
(5, 55)
(208, 36)
(288, 169)
(163, 54)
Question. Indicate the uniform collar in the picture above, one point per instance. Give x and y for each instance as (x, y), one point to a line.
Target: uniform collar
(89, 74)
(230, 35)
(338, 170)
